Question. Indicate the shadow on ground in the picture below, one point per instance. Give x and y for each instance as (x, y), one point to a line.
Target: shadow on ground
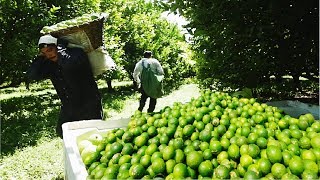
(26, 119)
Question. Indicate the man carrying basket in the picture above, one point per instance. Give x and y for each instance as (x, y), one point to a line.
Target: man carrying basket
(71, 75)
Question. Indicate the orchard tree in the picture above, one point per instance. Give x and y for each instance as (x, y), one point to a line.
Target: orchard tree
(136, 26)
(131, 28)
(244, 43)
(21, 22)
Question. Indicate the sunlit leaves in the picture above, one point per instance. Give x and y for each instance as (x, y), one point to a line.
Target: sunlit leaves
(136, 26)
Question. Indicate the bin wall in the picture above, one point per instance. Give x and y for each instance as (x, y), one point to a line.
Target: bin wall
(74, 167)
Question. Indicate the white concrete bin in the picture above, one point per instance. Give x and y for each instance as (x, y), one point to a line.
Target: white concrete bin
(74, 132)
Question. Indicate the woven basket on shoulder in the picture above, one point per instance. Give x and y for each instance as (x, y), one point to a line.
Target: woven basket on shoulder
(93, 29)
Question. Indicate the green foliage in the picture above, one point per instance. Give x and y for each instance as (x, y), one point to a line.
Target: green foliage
(245, 93)
(131, 28)
(21, 22)
(136, 26)
(242, 43)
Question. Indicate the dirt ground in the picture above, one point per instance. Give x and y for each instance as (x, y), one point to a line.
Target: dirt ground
(183, 94)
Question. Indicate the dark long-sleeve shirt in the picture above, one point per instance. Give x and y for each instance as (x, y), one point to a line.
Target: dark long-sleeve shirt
(73, 80)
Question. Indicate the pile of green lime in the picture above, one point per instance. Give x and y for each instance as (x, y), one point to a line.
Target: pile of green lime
(215, 136)
(84, 19)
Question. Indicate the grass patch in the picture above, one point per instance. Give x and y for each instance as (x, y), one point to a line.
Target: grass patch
(26, 119)
(114, 100)
(43, 161)
(30, 148)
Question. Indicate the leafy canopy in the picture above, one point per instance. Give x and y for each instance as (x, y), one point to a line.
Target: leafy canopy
(242, 43)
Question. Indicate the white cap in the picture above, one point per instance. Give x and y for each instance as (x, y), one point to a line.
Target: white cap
(47, 39)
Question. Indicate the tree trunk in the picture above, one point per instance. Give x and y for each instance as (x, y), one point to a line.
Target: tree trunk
(109, 83)
(296, 82)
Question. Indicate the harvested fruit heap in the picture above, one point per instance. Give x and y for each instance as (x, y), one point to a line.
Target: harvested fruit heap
(84, 19)
(215, 136)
